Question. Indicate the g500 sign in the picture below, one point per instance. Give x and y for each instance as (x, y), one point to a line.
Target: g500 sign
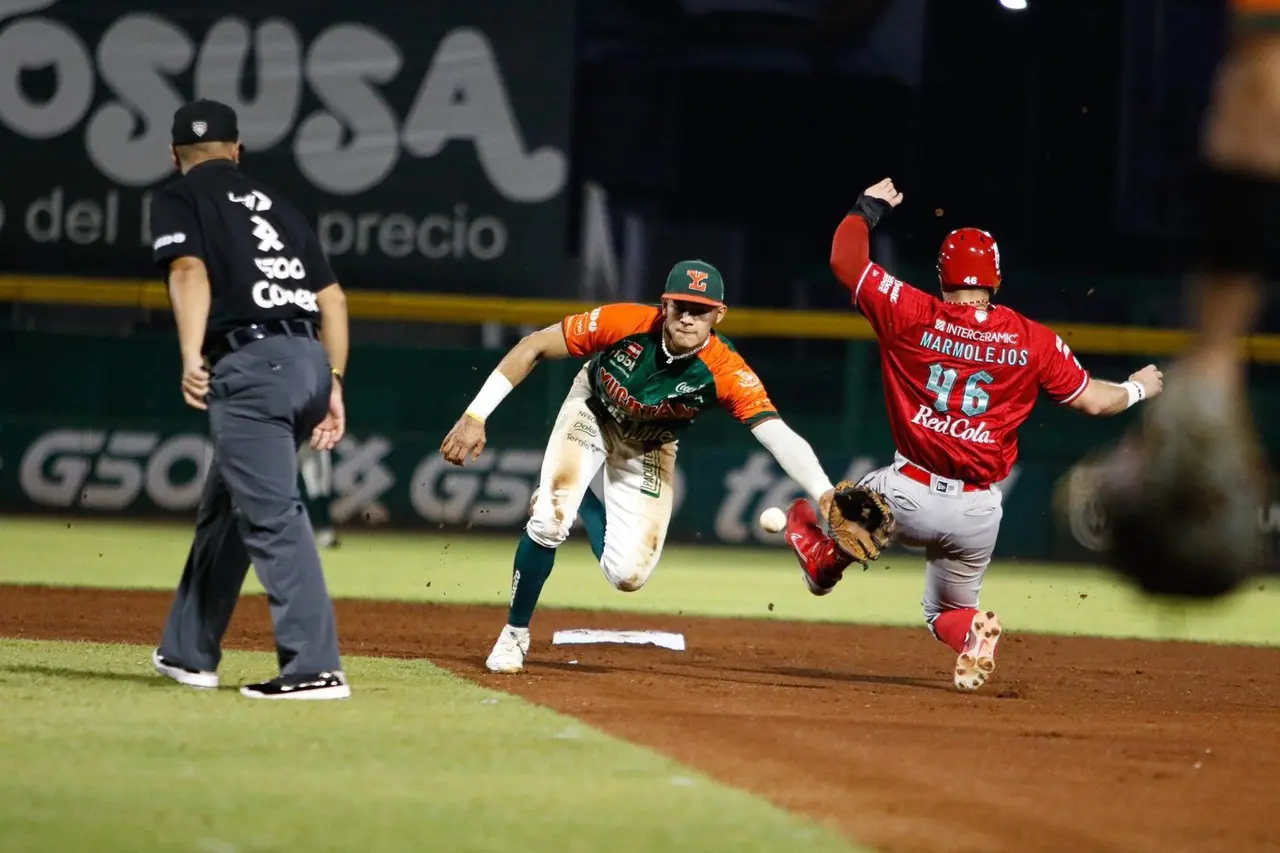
(326, 111)
(110, 470)
(492, 492)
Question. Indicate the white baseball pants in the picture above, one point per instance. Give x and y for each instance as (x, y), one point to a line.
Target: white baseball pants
(639, 489)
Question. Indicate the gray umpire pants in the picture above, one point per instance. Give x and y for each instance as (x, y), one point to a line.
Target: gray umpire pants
(264, 401)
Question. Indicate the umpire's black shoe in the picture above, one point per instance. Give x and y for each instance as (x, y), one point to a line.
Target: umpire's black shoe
(322, 685)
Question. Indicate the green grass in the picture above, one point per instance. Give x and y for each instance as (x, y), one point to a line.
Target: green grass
(692, 580)
(103, 755)
(107, 756)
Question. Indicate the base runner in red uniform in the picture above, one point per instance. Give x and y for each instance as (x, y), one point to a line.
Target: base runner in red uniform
(961, 375)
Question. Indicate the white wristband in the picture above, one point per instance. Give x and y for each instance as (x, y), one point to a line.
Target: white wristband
(494, 391)
(1135, 391)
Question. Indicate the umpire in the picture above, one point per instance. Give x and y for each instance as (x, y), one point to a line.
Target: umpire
(250, 288)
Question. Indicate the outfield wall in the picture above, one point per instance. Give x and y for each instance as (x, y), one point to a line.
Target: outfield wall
(95, 425)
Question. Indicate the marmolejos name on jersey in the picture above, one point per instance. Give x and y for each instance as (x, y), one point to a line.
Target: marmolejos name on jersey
(981, 353)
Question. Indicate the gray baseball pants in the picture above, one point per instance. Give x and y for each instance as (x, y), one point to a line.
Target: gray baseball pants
(264, 400)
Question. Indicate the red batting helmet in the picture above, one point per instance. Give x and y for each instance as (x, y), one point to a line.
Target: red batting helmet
(969, 257)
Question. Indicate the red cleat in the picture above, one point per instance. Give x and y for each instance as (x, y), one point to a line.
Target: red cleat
(821, 563)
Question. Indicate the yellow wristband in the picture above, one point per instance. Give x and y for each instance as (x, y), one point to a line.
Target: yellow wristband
(474, 417)
(338, 376)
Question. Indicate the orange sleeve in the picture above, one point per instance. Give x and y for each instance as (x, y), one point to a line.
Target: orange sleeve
(738, 389)
(594, 330)
(1253, 6)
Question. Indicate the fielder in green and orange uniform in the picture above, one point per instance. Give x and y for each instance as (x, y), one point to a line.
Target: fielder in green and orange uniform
(651, 370)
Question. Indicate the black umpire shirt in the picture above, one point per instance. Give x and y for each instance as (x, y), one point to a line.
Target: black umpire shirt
(264, 259)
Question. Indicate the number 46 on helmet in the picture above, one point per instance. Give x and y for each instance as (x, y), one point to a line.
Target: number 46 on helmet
(969, 257)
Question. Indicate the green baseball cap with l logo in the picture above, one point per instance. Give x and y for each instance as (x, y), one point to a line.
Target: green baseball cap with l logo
(695, 281)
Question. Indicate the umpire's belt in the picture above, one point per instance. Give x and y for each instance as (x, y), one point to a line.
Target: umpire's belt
(237, 338)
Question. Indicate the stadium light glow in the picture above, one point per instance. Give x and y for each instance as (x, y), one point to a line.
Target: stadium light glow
(1015, 5)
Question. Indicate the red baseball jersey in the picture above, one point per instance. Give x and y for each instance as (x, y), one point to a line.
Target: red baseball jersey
(958, 380)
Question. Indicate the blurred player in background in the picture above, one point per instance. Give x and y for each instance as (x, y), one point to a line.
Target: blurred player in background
(961, 375)
(316, 469)
(1195, 463)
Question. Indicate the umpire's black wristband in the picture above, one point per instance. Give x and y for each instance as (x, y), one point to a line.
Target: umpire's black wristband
(870, 209)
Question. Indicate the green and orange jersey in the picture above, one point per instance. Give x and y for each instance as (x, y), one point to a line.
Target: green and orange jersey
(651, 397)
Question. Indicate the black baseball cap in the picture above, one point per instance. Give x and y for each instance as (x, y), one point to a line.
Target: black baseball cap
(205, 121)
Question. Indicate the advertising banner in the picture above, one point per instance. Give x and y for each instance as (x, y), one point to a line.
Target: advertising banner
(386, 483)
(428, 142)
(381, 483)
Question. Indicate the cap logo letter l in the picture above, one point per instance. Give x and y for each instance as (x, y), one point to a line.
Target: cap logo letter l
(697, 280)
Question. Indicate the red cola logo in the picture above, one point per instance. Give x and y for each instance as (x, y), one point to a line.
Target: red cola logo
(960, 428)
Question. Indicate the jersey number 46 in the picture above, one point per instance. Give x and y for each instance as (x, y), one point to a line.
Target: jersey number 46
(974, 399)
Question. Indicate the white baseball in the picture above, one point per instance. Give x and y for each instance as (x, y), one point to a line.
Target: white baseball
(773, 519)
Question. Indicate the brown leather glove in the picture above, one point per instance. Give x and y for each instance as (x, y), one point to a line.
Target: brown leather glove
(861, 521)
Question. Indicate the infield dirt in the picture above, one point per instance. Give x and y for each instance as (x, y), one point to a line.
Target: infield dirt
(1077, 744)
